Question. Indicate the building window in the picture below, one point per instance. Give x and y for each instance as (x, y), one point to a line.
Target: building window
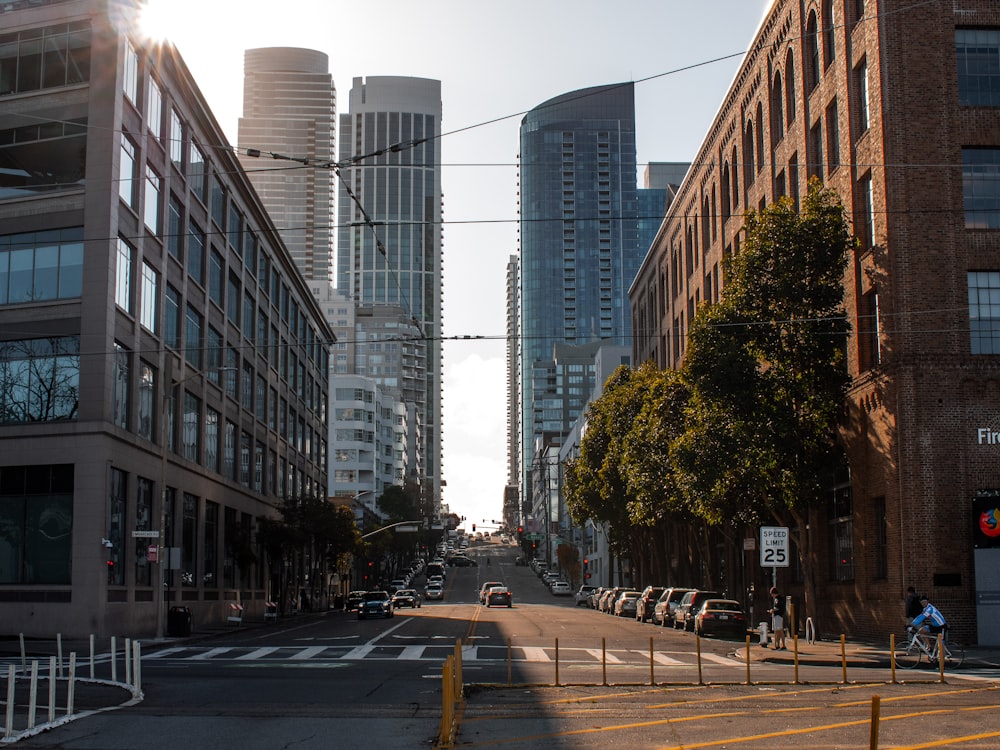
(246, 392)
(146, 406)
(777, 111)
(154, 109)
(193, 337)
(210, 575)
(197, 172)
(864, 227)
(861, 114)
(789, 88)
(216, 276)
(42, 157)
(233, 299)
(232, 371)
(123, 276)
(33, 498)
(171, 317)
(117, 506)
(811, 62)
(143, 522)
(984, 311)
(130, 74)
(176, 141)
(218, 201)
(175, 228)
(120, 382)
(191, 427)
(815, 150)
(832, 138)
(148, 307)
(189, 541)
(981, 187)
(39, 380)
(229, 451)
(841, 526)
(869, 331)
(245, 459)
(196, 254)
(37, 266)
(45, 58)
(978, 55)
(151, 201)
(213, 355)
(829, 51)
(211, 439)
(126, 172)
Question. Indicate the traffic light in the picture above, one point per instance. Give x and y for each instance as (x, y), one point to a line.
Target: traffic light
(586, 573)
(473, 527)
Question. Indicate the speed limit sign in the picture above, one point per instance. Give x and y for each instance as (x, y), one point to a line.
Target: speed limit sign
(774, 546)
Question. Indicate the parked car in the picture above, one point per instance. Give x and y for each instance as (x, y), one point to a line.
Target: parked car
(595, 597)
(499, 596)
(461, 561)
(608, 600)
(561, 588)
(434, 590)
(688, 608)
(625, 603)
(663, 611)
(647, 600)
(353, 600)
(375, 604)
(485, 588)
(582, 596)
(396, 584)
(720, 617)
(405, 598)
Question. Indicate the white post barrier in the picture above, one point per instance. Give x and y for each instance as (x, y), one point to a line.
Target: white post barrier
(128, 661)
(91, 656)
(59, 652)
(52, 688)
(235, 613)
(71, 686)
(114, 660)
(23, 662)
(137, 669)
(763, 634)
(9, 729)
(33, 695)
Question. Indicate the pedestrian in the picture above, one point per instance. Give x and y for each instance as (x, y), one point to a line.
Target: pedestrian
(777, 612)
(913, 607)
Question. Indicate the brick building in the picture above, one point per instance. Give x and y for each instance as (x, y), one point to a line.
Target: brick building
(896, 106)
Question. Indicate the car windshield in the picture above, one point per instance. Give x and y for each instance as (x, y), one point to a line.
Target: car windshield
(376, 596)
(726, 606)
(406, 592)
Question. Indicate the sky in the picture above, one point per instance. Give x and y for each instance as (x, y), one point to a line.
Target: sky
(496, 60)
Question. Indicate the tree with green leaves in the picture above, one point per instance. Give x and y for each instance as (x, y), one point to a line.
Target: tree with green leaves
(767, 374)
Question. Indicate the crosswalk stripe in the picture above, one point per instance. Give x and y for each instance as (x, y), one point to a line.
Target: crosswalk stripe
(667, 661)
(309, 652)
(212, 653)
(257, 653)
(412, 653)
(723, 660)
(534, 653)
(610, 658)
(358, 652)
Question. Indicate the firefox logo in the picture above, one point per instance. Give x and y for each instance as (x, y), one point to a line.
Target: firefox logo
(989, 523)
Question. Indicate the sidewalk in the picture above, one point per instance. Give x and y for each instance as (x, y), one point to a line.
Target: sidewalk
(856, 654)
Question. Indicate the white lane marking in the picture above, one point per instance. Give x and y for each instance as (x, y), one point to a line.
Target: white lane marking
(534, 653)
(257, 653)
(309, 653)
(212, 653)
(358, 652)
(611, 658)
(723, 660)
(412, 653)
(667, 661)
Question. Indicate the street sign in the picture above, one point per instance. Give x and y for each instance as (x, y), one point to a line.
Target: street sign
(151, 551)
(145, 534)
(534, 537)
(774, 546)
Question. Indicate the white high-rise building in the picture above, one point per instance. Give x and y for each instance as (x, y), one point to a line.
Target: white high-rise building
(289, 108)
(392, 266)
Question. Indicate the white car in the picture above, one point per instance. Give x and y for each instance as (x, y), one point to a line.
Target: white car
(434, 591)
(561, 588)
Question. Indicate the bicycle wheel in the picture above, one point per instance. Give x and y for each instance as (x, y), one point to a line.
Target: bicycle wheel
(954, 655)
(908, 655)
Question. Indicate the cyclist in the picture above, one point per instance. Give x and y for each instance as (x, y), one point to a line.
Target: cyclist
(930, 621)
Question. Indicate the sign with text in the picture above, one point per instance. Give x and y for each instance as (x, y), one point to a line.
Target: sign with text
(774, 546)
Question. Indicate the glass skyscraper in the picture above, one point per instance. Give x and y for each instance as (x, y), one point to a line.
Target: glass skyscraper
(390, 243)
(289, 108)
(580, 245)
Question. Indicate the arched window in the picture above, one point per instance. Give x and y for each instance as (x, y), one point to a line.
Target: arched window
(828, 38)
(760, 137)
(706, 225)
(777, 111)
(726, 191)
(811, 72)
(789, 88)
(735, 184)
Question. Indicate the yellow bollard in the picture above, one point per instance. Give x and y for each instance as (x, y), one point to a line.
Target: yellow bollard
(940, 653)
(873, 737)
(795, 655)
(892, 657)
(652, 677)
(748, 659)
(843, 658)
(557, 662)
(447, 705)
(697, 642)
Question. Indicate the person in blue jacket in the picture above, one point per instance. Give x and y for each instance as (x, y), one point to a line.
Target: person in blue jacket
(930, 620)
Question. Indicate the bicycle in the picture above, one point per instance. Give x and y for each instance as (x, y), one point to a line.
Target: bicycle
(918, 647)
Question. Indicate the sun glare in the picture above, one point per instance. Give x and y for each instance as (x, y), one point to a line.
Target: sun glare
(159, 19)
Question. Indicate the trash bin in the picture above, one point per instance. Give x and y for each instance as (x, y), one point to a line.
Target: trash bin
(179, 621)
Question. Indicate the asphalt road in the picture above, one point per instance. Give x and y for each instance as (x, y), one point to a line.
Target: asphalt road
(333, 681)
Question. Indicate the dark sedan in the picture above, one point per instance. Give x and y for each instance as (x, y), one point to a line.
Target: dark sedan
(721, 617)
(499, 596)
(375, 604)
(353, 601)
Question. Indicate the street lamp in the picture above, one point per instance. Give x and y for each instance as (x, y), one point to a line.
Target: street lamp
(168, 391)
